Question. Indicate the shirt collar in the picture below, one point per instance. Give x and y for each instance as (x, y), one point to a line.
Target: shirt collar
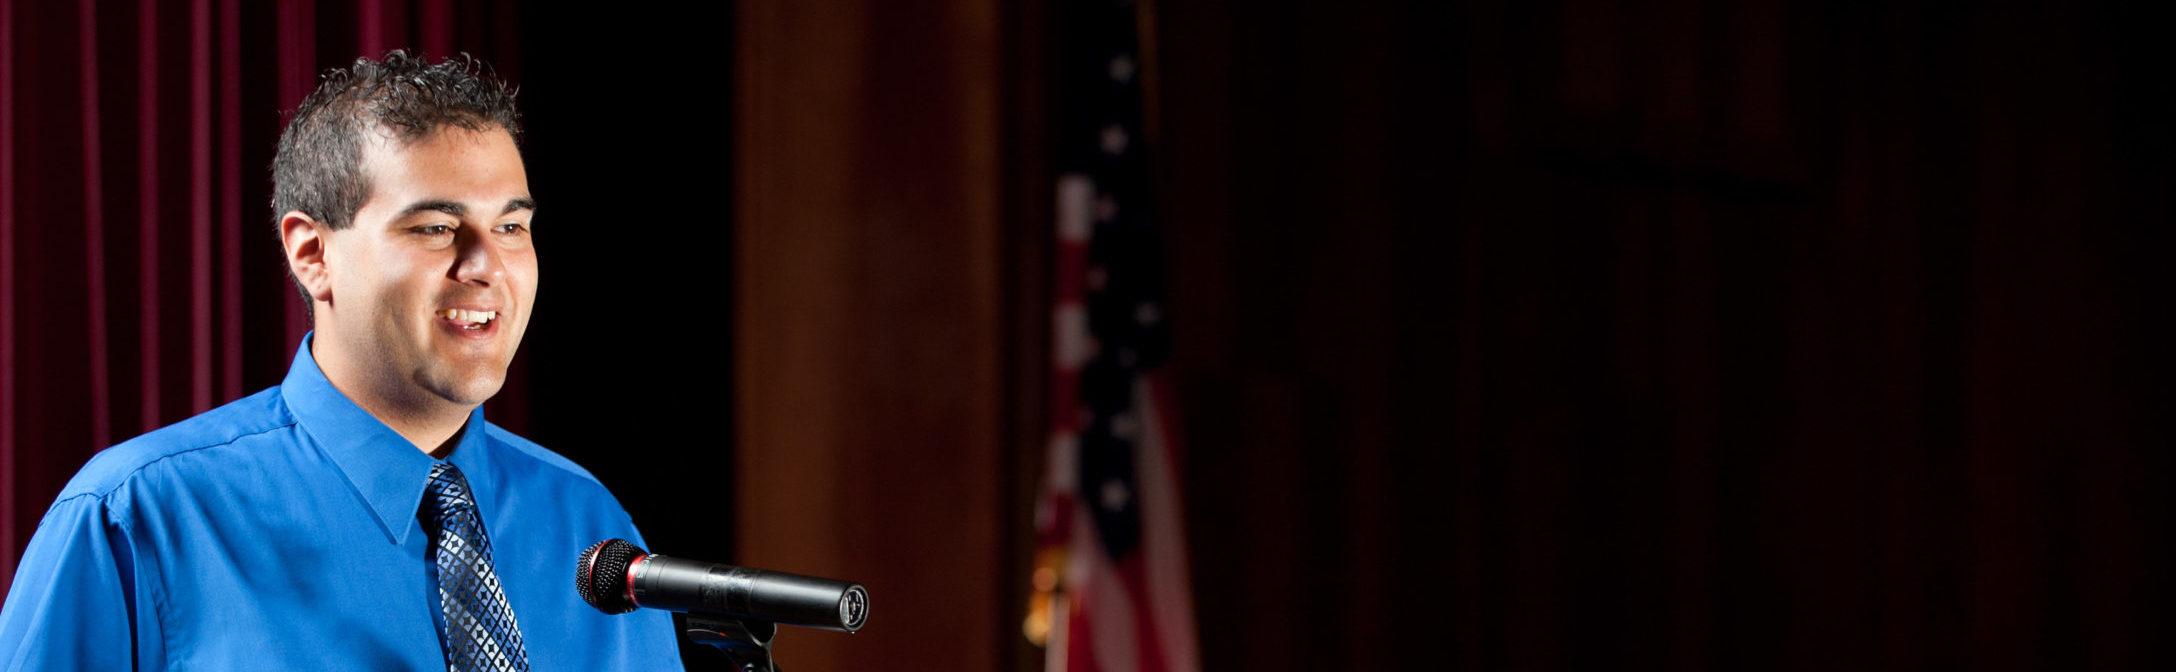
(387, 470)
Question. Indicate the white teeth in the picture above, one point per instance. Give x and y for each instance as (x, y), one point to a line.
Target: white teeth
(470, 316)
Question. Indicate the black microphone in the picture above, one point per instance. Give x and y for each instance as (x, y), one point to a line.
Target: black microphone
(617, 577)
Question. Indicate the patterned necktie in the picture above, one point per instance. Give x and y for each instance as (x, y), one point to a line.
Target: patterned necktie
(480, 633)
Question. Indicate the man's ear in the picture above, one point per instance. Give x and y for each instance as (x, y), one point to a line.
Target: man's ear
(304, 238)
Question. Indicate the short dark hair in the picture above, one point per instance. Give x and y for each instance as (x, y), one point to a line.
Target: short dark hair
(318, 168)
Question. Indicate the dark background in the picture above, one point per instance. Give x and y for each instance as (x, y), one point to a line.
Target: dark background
(1685, 334)
(630, 131)
(1697, 335)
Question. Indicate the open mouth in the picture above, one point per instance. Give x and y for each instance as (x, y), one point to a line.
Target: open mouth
(471, 324)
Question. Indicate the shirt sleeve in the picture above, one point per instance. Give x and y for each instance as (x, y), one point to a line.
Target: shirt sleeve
(72, 605)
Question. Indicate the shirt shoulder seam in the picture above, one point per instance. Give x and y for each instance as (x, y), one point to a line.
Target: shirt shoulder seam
(131, 475)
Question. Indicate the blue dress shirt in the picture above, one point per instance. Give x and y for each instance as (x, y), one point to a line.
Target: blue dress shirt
(280, 532)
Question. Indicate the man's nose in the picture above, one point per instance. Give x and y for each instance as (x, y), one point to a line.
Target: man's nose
(478, 262)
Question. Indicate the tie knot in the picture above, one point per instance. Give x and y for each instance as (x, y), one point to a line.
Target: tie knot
(447, 489)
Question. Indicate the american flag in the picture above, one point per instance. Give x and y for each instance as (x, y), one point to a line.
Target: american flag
(1112, 592)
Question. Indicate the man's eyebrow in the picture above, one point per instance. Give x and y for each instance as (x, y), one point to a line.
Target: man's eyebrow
(456, 209)
(448, 207)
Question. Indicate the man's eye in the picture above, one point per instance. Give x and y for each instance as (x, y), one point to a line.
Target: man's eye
(512, 227)
(434, 229)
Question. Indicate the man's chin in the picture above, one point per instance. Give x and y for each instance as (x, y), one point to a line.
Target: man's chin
(470, 390)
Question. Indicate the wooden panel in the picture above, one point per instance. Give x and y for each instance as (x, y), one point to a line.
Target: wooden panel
(869, 314)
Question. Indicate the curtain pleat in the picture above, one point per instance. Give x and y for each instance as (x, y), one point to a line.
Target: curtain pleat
(7, 284)
(229, 343)
(147, 183)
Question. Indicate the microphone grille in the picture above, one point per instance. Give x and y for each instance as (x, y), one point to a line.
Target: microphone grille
(600, 576)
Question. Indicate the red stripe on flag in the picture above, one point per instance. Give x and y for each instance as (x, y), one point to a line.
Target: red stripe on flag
(1079, 638)
(1147, 642)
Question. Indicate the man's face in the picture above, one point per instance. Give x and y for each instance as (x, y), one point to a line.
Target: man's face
(441, 243)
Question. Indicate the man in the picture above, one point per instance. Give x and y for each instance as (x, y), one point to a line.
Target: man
(362, 514)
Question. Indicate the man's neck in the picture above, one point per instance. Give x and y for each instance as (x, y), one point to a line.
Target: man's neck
(431, 425)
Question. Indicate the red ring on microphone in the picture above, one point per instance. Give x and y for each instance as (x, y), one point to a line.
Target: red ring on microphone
(631, 565)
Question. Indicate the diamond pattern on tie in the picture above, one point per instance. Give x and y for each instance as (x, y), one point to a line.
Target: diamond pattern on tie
(480, 632)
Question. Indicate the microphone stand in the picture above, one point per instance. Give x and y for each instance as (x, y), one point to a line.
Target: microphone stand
(747, 643)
